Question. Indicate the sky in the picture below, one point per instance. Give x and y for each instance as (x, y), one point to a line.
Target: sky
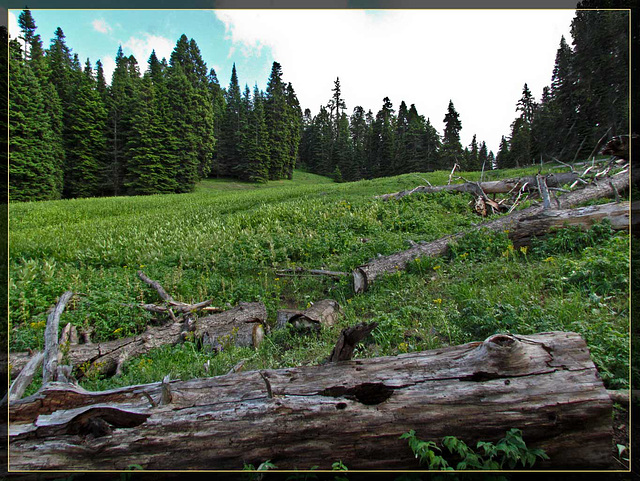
(479, 59)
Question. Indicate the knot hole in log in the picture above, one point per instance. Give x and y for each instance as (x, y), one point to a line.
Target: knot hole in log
(368, 393)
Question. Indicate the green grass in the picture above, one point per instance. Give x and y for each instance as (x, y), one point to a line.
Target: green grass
(225, 241)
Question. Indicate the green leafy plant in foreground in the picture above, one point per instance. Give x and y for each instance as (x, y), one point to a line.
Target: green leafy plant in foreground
(506, 454)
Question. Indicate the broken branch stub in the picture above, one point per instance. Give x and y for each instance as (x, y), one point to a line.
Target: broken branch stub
(544, 384)
(50, 359)
(349, 339)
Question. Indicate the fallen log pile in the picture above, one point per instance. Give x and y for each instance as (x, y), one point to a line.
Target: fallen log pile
(365, 275)
(355, 411)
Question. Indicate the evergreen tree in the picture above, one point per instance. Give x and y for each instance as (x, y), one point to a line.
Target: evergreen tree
(401, 162)
(483, 157)
(255, 141)
(294, 131)
(305, 140)
(431, 148)
(343, 152)
(503, 160)
(28, 27)
(219, 107)
(85, 140)
(384, 145)
(358, 127)
(33, 166)
(122, 95)
(147, 172)
(276, 118)
(229, 153)
(451, 146)
(473, 161)
(336, 105)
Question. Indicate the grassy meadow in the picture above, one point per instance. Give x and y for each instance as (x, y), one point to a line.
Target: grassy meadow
(226, 240)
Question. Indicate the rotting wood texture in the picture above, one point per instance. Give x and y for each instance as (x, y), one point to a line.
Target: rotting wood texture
(544, 384)
(240, 325)
(366, 274)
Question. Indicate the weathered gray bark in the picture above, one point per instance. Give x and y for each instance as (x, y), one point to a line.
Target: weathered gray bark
(349, 339)
(50, 359)
(542, 223)
(322, 313)
(21, 383)
(490, 187)
(354, 411)
(106, 357)
(366, 274)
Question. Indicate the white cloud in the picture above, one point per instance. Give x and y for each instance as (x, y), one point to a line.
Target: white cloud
(480, 59)
(108, 66)
(14, 29)
(141, 48)
(101, 26)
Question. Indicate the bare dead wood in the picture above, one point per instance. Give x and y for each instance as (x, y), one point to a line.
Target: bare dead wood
(349, 339)
(323, 313)
(240, 326)
(544, 384)
(505, 186)
(542, 223)
(314, 272)
(21, 383)
(620, 396)
(107, 358)
(365, 275)
(156, 285)
(544, 191)
(50, 359)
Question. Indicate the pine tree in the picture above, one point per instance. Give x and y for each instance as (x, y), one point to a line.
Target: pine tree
(343, 152)
(451, 146)
(385, 146)
(401, 162)
(33, 166)
(431, 148)
(483, 157)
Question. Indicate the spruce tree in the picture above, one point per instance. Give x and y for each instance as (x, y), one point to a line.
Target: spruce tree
(294, 130)
(33, 166)
(503, 160)
(229, 153)
(219, 107)
(85, 140)
(28, 27)
(276, 119)
(122, 94)
(358, 127)
(451, 146)
(255, 141)
(431, 148)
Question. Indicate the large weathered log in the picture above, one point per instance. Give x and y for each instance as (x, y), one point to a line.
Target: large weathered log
(241, 326)
(490, 187)
(584, 217)
(354, 411)
(106, 358)
(365, 274)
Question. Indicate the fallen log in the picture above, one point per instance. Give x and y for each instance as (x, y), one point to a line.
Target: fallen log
(490, 187)
(355, 411)
(365, 275)
(106, 358)
(323, 313)
(542, 223)
(50, 358)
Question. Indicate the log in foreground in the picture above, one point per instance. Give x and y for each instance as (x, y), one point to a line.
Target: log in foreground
(353, 411)
(366, 274)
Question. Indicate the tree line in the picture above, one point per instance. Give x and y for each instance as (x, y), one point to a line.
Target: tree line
(74, 135)
(161, 131)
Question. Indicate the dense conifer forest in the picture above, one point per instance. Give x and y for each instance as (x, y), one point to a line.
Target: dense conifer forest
(162, 126)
